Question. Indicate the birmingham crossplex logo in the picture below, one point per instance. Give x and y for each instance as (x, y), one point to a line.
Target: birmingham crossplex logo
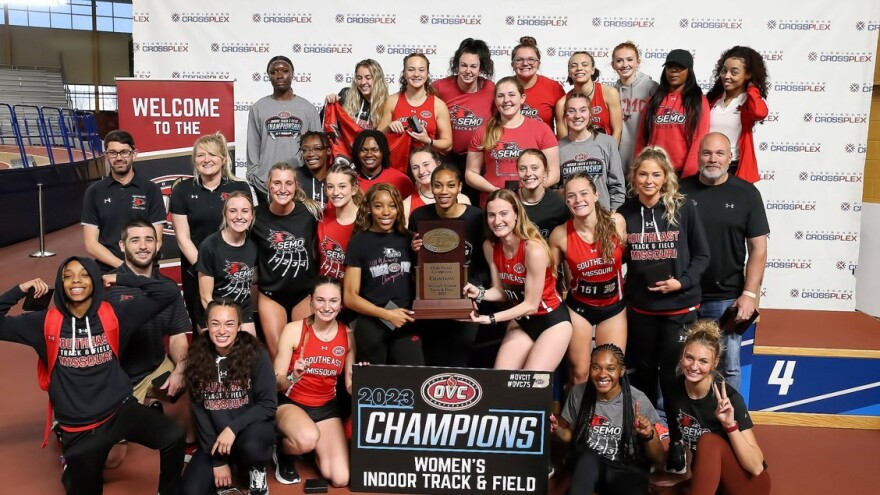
(799, 235)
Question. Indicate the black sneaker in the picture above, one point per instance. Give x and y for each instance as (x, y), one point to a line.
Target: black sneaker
(675, 459)
(285, 468)
(258, 484)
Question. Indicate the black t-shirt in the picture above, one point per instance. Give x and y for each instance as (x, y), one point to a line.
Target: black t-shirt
(109, 206)
(146, 349)
(286, 249)
(313, 187)
(696, 417)
(478, 267)
(232, 267)
(203, 208)
(386, 263)
(731, 213)
(549, 213)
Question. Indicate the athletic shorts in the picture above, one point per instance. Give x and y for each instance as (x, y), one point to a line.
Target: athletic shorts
(142, 388)
(287, 299)
(534, 325)
(317, 414)
(595, 314)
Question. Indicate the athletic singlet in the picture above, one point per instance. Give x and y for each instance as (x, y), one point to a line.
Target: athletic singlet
(513, 279)
(424, 112)
(415, 201)
(594, 281)
(601, 117)
(333, 240)
(326, 362)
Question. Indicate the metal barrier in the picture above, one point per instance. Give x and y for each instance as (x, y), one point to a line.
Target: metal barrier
(9, 129)
(49, 127)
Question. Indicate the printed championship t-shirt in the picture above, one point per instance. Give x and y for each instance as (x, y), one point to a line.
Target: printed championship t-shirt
(286, 248)
(232, 268)
(386, 263)
(696, 417)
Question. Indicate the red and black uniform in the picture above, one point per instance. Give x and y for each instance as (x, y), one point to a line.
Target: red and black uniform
(596, 283)
(512, 272)
(391, 176)
(424, 113)
(601, 117)
(467, 111)
(541, 100)
(333, 240)
(670, 133)
(326, 362)
(88, 389)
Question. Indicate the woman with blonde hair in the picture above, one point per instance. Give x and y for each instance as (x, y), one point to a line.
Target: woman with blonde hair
(196, 208)
(363, 100)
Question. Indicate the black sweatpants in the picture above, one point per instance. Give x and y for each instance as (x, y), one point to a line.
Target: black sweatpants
(85, 452)
(447, 342)
(378, 344)
(595, 473)
(252, 448)
(655, 342)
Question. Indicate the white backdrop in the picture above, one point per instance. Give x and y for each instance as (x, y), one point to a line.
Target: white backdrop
(811, 151)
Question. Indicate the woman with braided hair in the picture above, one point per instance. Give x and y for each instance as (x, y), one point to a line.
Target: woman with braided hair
(614, 442)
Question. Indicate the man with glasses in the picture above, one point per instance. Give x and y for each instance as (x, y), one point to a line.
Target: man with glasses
(112, 202)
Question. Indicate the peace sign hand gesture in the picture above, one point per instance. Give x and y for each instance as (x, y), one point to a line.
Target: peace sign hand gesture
(643, 425)
(724, 409)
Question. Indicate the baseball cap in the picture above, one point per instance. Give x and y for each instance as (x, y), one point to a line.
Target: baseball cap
(680, 57)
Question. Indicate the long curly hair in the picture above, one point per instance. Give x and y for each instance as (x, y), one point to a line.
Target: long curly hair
(201, 361)
(754, 64)
(606, 233)
(669, 194)
(525, 229)
(364, 220)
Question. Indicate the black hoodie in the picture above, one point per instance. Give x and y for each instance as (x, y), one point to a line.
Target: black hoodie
(87, 384)
(651, 240)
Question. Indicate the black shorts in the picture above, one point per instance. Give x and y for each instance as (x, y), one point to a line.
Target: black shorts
(317, 414)
(595, 314)
(534, 325)
(287, 299)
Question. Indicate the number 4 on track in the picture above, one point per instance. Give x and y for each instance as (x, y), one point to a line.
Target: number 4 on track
(782, 375)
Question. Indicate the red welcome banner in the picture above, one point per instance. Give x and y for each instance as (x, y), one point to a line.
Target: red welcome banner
(165, 115)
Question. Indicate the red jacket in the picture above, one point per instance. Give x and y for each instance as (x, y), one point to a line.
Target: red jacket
(754, 109)
(670, 133)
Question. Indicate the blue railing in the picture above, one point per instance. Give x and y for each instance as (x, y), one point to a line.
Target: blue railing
(50, 128)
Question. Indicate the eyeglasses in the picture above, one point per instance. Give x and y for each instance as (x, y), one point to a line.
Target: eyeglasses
(316, 149)
(115, 154)
(530, 60)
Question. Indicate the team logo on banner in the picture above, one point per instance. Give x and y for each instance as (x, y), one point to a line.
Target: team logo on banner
(537, 20)
(406, 49)
(366, 18)
(201, 17)
(789, 264)
(451, 391)
(843, 57)
(799, 86)
(799, 25)
(831, 176)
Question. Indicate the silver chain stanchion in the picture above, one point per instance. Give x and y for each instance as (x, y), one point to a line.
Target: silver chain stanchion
(42, 253)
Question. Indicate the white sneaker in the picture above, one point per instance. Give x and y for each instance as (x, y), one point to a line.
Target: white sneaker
(258, 484)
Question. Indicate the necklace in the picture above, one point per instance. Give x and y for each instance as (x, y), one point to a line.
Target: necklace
(532, 203)
(425, 195)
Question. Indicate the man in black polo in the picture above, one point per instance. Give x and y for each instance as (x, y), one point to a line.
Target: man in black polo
(732, 212)
(112, 202)
(144, 358)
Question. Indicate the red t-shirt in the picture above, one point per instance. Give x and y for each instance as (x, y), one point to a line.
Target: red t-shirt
(594, 281)
(670, 133)
(424, 112)
(599, 109)
(326, 362)
(467, 111)
(333, 240)
(541, 100)
(389, 176)
(500, 162)
(513, 279)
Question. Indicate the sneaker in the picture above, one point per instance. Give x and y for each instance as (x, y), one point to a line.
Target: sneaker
(675, 459)
(285, 468)
(258, 484)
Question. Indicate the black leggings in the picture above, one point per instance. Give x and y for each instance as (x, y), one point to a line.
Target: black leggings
(378, 344)
(656, 341)
(447, 342)
(594, 473)
(85, 452)
(252, 448)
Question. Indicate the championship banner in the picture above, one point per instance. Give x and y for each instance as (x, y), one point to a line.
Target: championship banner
(459, 431)
(167, 115)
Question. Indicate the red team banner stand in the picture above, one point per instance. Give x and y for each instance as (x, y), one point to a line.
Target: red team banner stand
(172, 114)
(449, 430)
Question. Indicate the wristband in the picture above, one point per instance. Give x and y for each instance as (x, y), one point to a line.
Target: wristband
(750, 294)
(480, 295)
(431, 143)
(492, 318)
(732, 428)
(648, 439)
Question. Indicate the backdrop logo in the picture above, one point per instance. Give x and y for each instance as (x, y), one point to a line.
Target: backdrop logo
(256, 76)
(624, 22)
(509, 20)
(201, 17)
(242, 106)
(299, 77)
(831, 176)
(205, 75)
(799, 234)
(854, 207)
(768, 174)
(789, 264)
(451, 391)
(499, 50)
(790, 205)
(175, 75)
(705, 84)
(772, 56)
(799, 86)
(660, 53)
(323, 48)
(868, 25)
(827, 235)
(841, 295)
(348, 78)
(790, 147)
(799, 25)
(836, 118)
(710, 23)
(452, 20)
(406, 49)
(567, 51)
(140, 17)
(842, 57)
(161, 47)
(366, 18)
(538, 20)
(282, 18)
(143, 74)
(856, 148)
(846, 265)
(772, 117)
(240, 47)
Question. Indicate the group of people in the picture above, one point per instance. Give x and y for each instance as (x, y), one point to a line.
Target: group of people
(556, 192)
